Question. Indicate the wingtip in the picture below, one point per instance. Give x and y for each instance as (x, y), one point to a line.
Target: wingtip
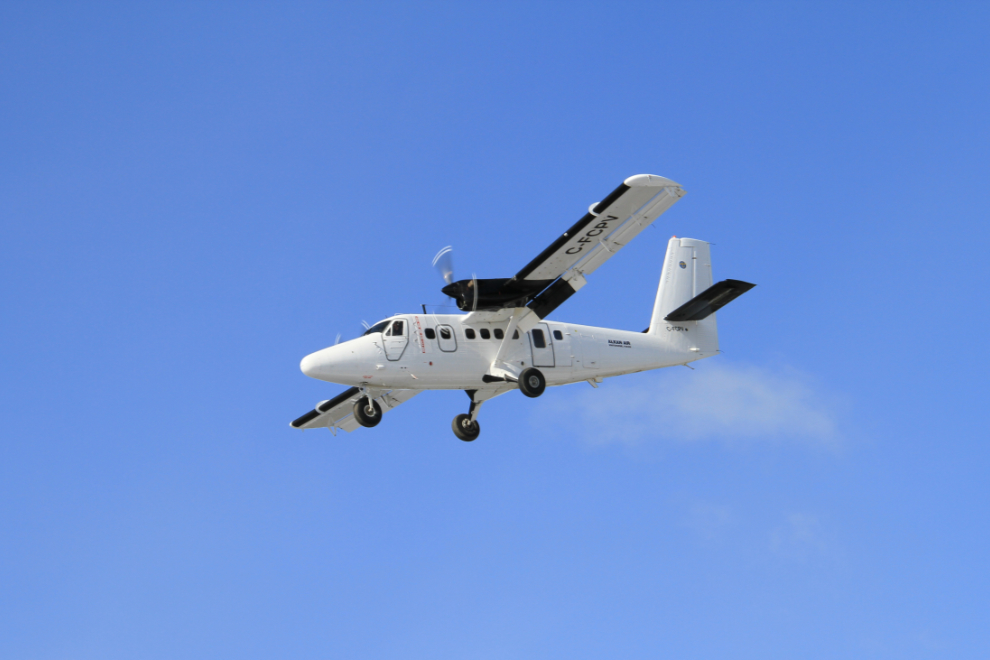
(649, 180)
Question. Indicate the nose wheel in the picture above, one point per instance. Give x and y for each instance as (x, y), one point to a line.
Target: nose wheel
(465, 428)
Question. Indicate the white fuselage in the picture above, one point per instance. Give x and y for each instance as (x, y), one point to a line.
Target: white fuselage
(436, 352)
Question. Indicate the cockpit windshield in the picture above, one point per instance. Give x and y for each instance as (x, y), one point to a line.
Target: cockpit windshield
(378, 327)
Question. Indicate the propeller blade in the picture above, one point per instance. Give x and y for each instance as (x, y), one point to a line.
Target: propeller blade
(474, 285)
(367, 326)
(337, 340)
(444, 263)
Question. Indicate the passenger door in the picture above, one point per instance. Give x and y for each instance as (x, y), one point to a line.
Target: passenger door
(396, 338)
(539, 340)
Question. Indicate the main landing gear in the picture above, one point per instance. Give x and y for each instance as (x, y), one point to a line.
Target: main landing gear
(532, 383)
(367, 412)
(466, 427)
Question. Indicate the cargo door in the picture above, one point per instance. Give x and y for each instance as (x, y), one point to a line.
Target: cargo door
(560, 339)
(539, 340)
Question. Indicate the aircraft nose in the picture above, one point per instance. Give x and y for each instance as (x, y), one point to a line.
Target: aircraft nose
(313, 364)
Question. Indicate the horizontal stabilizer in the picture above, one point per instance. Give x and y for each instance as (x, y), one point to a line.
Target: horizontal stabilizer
(709, 301)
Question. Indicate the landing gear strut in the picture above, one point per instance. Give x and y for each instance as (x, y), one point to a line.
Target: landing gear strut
(367, 412)
(466, 427)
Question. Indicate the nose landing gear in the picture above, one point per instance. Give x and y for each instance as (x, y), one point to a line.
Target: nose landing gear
(466, 427)
(531, 382)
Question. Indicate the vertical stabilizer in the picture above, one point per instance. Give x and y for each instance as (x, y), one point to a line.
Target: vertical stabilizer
(687, 271)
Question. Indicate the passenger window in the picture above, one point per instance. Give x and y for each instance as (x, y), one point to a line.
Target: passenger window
(469, 333)
(499, 334)
(515, 335)
(430, 333)
(539, 340)
(485, 334)
(397, 329)
(558, 335)
(447, 342)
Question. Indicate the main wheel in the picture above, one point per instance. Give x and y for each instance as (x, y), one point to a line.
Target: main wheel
(465, 429)
(367, 415)
(532, 383)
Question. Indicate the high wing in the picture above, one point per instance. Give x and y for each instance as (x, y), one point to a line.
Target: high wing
(594, 239)
(337, 412)
(560, 270)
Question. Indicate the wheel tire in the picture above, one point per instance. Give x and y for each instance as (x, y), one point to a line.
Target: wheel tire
(362, 413)
(465, 429)
(532, 383)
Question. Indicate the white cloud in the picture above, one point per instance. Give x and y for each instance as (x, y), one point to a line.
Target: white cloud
(718, 401)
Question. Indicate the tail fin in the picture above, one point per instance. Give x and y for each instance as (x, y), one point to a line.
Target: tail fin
(687, 271)
(686, 299)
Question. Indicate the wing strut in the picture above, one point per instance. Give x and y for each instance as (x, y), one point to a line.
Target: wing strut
(522, 319)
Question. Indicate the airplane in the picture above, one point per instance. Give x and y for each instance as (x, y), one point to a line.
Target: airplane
(505, 340)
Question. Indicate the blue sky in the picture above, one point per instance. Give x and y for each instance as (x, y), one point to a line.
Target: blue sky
(194, 196)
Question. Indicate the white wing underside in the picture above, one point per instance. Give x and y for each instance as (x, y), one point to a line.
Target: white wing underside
(340, 415)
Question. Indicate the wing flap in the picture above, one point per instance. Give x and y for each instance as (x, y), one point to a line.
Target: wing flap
(630, 229)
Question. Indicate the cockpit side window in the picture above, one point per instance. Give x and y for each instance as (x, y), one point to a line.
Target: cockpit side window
(396, 330)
